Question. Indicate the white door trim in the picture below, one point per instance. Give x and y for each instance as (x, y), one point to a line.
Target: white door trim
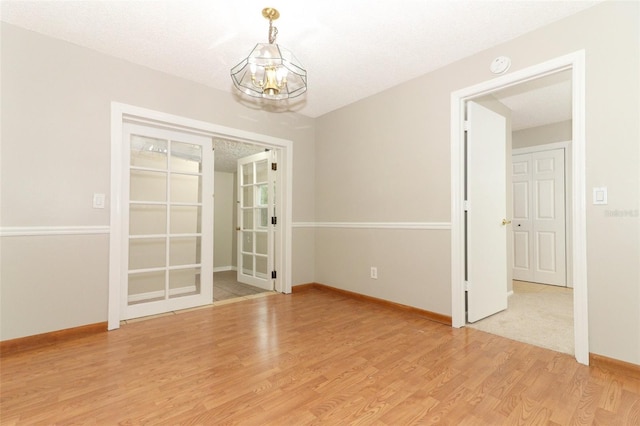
(121, 112)
(539, 148)
(576, 62)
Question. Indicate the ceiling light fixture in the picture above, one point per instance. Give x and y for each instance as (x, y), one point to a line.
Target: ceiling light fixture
(270, 71)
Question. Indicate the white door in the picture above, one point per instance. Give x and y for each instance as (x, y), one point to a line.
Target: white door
(539, 217)
(486, 228)
(256, 220)
(167, 221)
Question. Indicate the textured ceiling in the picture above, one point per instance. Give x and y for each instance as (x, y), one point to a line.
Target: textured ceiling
(538, 102)
(227, 153)
(350, 48)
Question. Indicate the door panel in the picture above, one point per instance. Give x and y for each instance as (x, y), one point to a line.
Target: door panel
(486, 195)
(521, 250)
(255, 209)
(540, 215)
(169, 226)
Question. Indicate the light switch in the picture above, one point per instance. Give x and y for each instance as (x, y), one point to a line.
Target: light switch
(600, 195)
(98, 201)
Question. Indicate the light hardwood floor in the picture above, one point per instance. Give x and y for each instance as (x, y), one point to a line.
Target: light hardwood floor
(313, 357)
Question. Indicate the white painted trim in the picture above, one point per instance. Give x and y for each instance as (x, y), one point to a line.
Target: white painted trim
(121, 112)
(576, 62)
(41, 231)
(160, 293)
(375, 225)
(224, 268)
(541, 148)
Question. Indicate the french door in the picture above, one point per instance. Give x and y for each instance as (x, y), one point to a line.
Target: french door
(167, 221)
(256, 220)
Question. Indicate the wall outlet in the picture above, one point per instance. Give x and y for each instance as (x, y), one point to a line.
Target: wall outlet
(374, 273)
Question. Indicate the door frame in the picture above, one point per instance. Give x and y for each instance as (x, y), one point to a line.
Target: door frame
(576, 62)
(121, 112)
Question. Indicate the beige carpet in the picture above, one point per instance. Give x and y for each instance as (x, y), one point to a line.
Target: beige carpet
(537, 314)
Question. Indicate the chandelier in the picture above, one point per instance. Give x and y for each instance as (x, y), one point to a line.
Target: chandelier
(270, 71)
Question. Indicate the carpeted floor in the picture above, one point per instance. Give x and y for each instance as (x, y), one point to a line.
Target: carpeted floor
(538, 314)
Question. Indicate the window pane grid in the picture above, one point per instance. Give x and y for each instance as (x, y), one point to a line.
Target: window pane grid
(161, 269)
(181, 171)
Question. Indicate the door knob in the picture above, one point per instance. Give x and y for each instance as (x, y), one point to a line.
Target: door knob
(237, 228)
(505, 222)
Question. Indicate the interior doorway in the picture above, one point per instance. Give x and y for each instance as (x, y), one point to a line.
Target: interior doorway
(246, 226)
(120, 163)
(574, 62)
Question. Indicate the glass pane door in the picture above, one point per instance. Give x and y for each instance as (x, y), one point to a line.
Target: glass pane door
(255, 210)
(170, 226)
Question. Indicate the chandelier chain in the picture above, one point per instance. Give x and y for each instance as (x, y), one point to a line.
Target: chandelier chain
(273, 32)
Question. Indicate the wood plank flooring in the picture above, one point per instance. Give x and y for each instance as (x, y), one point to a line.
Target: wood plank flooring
(312, 357)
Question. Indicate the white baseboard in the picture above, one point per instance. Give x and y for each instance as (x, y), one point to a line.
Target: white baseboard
(225, 268)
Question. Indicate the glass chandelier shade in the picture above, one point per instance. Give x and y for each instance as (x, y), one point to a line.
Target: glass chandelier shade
(270, 71)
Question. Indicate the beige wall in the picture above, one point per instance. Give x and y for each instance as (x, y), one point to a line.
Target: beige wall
(224, 211)
(383, 159)
(55, 106)
(386, 159)
(541, 135)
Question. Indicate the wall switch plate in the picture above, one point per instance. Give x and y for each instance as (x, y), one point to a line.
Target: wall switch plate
(98, 201)
(374, 273)
(600, 195)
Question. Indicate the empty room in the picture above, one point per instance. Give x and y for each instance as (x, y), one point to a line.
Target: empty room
(319, 212)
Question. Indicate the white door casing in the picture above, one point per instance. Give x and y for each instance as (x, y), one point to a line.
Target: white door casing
(538, 227)
(576, 62)
(256, 209)
(486, 211)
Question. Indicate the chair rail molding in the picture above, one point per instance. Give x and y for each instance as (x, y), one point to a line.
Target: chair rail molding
(375, 225)
(41, 231)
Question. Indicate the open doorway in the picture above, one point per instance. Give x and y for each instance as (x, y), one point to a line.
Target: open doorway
(538, 154)
(243, 230)
(460, 206)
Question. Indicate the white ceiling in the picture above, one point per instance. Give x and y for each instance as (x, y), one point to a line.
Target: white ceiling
(351, 48)
(538, 102)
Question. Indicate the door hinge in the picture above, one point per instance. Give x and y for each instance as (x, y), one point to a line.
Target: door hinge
(274, 220)
(466, 124)
(274, 275)
(466, 286)
(274, 166)
(465, 205)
